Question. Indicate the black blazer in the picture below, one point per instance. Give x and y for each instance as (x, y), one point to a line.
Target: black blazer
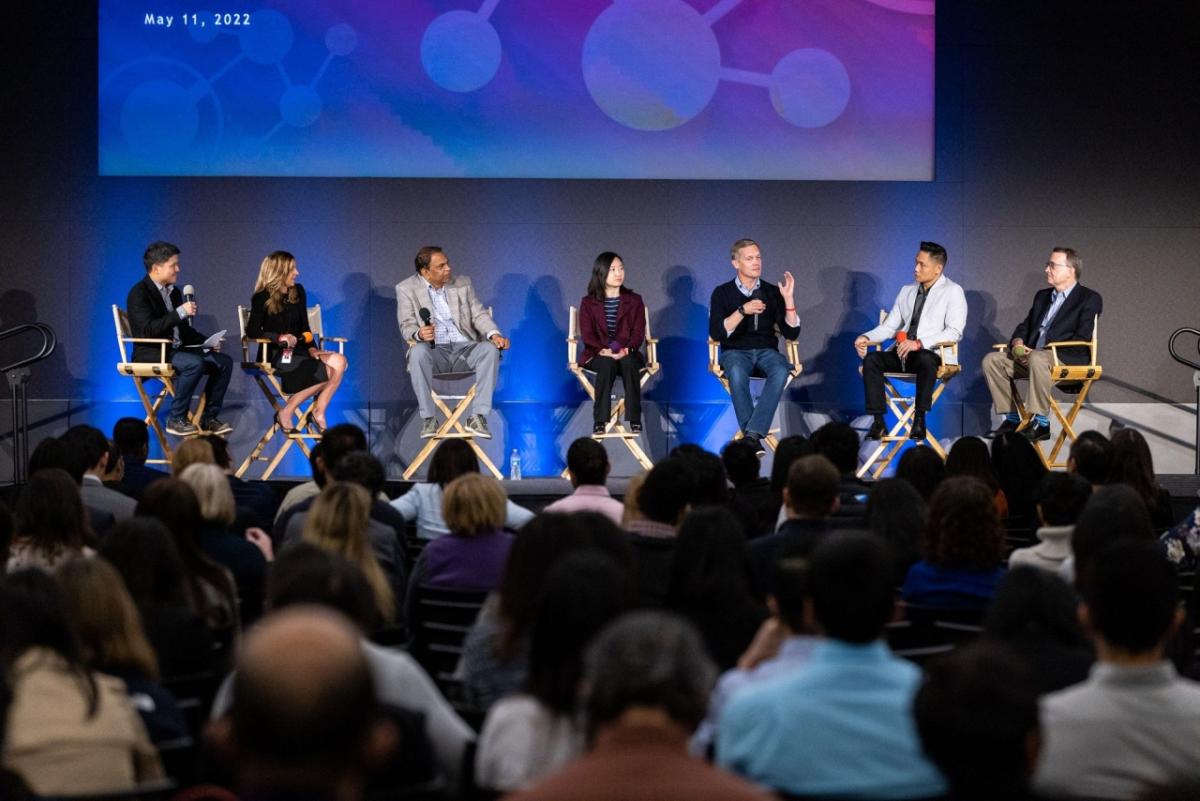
(149, 317)
(1074, 321)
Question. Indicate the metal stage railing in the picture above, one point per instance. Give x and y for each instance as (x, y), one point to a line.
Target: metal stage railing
(1195, 378)
(18, 374)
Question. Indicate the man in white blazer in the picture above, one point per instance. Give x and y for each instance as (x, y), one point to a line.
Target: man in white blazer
(447, 330)
(929, 311)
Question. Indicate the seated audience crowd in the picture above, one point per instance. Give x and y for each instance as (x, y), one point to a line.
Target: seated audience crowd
(974, 629)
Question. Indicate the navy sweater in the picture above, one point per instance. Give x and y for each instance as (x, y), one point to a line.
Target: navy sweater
(727, 297)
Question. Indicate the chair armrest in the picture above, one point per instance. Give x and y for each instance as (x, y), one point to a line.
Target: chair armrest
(714, 363)
(1054, 346)
(1000, 346)
(145, 340)
(334, 339)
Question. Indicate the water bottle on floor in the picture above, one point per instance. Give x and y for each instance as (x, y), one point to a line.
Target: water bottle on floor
(514, 465)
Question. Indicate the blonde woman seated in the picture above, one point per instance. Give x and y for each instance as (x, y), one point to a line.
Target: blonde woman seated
(339, 521)
(196, 450)
(279, 312)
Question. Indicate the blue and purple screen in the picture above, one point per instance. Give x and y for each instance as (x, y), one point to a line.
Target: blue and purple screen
(703, 89)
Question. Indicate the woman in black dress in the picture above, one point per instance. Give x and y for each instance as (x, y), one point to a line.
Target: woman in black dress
(279, 311)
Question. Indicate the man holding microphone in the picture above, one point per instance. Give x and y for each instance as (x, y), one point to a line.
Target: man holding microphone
(158, 310)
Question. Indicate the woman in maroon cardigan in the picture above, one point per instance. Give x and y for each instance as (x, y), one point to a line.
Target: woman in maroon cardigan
(612, 325)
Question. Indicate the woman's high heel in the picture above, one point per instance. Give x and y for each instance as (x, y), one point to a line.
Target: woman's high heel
(282, 427)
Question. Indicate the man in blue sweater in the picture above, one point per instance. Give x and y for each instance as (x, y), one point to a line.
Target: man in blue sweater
(746, 316)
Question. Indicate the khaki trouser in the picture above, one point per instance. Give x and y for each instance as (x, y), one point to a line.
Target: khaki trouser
(1000, 371)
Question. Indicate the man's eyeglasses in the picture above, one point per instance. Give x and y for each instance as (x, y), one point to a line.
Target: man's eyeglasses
(1051, 265)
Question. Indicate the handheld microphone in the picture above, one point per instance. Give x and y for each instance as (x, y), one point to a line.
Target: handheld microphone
(901, 336)
(423, 313)
(189, 296)
(756, 295)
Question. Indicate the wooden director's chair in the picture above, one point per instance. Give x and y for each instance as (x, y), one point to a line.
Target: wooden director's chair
(452, 427)
(791, 350)
(269, 382)
(905, 406)
(1080, 374)
(614, 428)
(141, 372)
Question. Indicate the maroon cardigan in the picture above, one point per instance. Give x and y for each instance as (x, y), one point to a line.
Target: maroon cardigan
(593, 328)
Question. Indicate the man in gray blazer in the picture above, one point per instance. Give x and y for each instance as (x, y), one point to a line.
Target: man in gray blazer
(92, 448)
(447, 330)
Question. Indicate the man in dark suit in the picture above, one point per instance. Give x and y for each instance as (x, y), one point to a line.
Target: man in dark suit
(132, 437)
(1064, 311)
(156, 310)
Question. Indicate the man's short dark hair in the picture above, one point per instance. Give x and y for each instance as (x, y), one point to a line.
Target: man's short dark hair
(1132, 593)
(361, 468)
(711, 486)
(52, 452)
(667, 490)
(838, 443)
(220, 450)
(789, 586)
(741, 462)
(652, 659)
(974, 712)
(1092, 453)
(1061, 497)
(1114, 513)
(157, 253)
(340, 440)
(850, 580)
(588, 462)
(131, 435)
(936, 252)
(923, 468)
(89, 441)
(425, 256)
(1074, 260)
(739, 245)
(812, 486)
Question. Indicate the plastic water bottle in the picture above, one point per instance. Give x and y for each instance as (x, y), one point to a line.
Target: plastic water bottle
(514, 465)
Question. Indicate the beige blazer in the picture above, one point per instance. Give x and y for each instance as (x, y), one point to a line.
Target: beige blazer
(471, 317)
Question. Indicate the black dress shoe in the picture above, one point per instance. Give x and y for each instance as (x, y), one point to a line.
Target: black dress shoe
(877, 429)
(917, 431)
(635, 428)
(1036, 433)
(1005, 427)
(598, 428)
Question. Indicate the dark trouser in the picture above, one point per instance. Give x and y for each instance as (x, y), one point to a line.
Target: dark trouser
(190, 366)
(924, 363)
(606, 370)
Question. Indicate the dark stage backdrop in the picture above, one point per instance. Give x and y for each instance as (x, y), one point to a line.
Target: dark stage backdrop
(1069, 123)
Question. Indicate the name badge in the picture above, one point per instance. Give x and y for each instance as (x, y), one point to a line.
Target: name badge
(286, 357)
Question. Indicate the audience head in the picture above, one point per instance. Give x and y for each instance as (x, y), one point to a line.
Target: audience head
(1019, 468)
(630, 501)
(790, 449)
(1133, 465)
(316, 463)
(220, 449)
(963, 530)
(474, 504)
(1091, 457)
(338, 441)
(338, 521)
(196, 450)
(851, 581)
(741, 461)
(789, 593)
(838, 443)
(1131, 599)
(305, 574)
(812, 487)
(208, 481)
(668, 489)
(977, 716)
(969, 456)
(583, 592)
(896, 513)
(114, 467)
(105, 618)
(1061, 498)
(1114, 513)
(711, 486)
(305, 715)
(144, 553)
(587, 462)
(708, 568)
(53, 452)
(132, 436)
(923, 468)
(648, 660)
(50, 515)
(173, 502)
(1034, 603)
(91, 444)
(451, 459)
(361, 468)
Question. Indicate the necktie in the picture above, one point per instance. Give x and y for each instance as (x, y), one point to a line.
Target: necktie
(918, 306)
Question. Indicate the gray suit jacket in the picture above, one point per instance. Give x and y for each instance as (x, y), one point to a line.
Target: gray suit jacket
(97, 496)
(471, 317)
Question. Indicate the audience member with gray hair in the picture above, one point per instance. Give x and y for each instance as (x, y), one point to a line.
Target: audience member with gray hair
(648, 678)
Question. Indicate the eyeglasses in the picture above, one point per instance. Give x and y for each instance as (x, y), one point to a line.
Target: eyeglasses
(1051, 265)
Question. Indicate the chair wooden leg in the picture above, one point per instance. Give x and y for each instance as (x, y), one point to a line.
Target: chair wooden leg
(451, 428)
(151, 420)
(1068, 425)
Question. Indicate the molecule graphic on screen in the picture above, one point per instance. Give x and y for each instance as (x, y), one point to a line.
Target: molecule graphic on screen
(170, 102)
(650, 65)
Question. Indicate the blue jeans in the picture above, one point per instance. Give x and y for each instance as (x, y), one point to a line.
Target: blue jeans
(739, 365)
(190, 366)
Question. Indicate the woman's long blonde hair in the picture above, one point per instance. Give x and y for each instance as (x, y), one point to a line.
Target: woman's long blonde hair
(106, 619)
(272, 276)
(337, 521)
